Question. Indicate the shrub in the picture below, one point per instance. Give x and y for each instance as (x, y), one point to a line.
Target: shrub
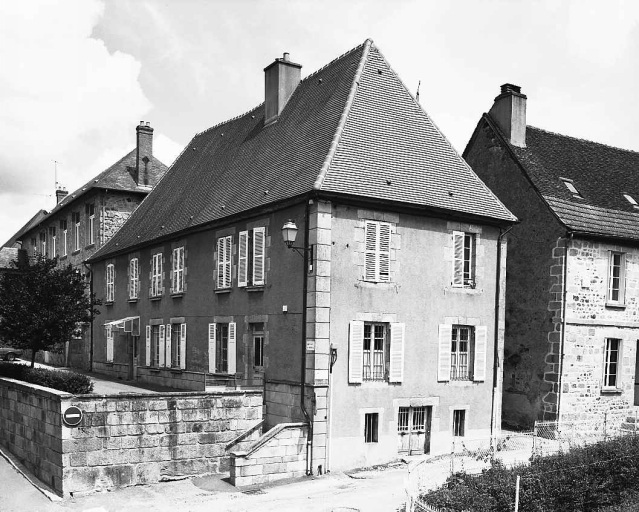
(588, 478)
(69, 382)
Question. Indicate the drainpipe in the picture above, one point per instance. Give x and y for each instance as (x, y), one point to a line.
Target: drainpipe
(88, 267)
(309, 441)
(568, 237)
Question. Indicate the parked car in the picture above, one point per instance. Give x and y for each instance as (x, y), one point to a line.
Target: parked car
(9, 353)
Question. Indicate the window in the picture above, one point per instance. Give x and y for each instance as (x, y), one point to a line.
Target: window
(631, 200)
(376, 352)
(258, 345)
(109, 343)
(402, 419)
(177, 284)
(611, 363)
(464, 259)
(176, 345)
(616, 278)
(134, 278)
(222, 343)
(110, 282)
(459, 422)
(43, 242)
(377, 251)
(54, 248)
(419, 418)
(156, 275)
(462, 353)
(157, 343)
(91, 223)
(63, 228)
(371, 427)
(76, 231)
(250, 257)
(224, 251)
(571, 187)
(34, 246)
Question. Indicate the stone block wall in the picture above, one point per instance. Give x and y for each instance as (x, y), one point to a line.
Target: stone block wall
(125, 439)
(282, 400)
(277, 455)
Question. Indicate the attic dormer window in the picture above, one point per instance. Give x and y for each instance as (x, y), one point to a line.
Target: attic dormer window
(631, 200)
(570, 186)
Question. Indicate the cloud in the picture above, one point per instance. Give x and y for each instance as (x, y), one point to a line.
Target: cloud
(64, 97)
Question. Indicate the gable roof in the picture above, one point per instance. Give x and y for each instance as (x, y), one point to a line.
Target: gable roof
(601, 174)
(350, 128)
(31, 223)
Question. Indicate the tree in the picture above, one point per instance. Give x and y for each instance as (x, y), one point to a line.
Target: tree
(41, 304)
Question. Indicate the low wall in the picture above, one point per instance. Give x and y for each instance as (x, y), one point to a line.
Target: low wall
(166, 377)
(125, 439)
(278, 454)
(282, 401)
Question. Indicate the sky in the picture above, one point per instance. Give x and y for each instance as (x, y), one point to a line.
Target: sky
(76, 77)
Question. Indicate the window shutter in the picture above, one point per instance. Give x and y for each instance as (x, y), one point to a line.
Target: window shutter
(212, 348)
(481, 342)
(228, 251)
(148, 345)
(231, 348)
(161, 287)
(396, 373)
(242, 259)
(355, 352)
(370, 271)
(183, 346)
(443, 363)
(220, 262)
(384, 252)
(458, 258)
(162, 342)
(169, 352)
(258, 256)
(109, 344)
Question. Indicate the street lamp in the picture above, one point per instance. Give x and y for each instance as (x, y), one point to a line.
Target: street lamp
(289, 233)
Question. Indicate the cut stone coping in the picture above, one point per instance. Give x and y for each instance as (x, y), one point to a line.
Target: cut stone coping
(267, 437)
(244, 435)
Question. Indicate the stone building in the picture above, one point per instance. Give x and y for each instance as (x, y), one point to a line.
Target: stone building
(572, 304)
(83, 221)
(381, 328)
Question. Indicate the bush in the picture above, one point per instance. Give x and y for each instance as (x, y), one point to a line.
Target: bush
(68, 382)
(589, 478)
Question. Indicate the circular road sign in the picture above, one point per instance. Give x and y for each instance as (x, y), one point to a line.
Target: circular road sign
(72, 416)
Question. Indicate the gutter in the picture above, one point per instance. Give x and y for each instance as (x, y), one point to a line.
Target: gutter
(309, 440)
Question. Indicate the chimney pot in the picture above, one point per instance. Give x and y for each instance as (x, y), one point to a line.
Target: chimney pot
(286, 57)
(141, 123)
(148, 123)
(509, 113)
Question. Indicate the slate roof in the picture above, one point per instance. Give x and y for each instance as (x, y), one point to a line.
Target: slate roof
(600, 173)
(351, 128)
(31, 223)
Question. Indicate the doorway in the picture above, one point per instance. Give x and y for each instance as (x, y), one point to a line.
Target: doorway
(413, 429)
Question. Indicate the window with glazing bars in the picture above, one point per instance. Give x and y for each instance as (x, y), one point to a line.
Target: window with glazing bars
(370, 427)
(419, 418)
(402, 419)
(611, 363)
(222, 348)
(374, 349)
(616, 278)
(459, 422)
(460, 353)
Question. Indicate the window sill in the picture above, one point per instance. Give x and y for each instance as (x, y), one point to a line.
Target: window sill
(223, 290)
(154, 369)
(155, 297)
(77, 251)
(463, 383)
(109, 364)
(611, 391)
(176, 370)
(251, 289)
(90, 246)
(62, 258)
(108, 303)
(178, 295)
(615, 305)
(464, 289)
(132, 301)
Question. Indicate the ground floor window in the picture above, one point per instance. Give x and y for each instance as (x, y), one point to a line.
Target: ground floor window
(611, 363)
(222, 348)
(258, 346)
(175, 345)
(459, 422)
(155, 344)
(371, 421)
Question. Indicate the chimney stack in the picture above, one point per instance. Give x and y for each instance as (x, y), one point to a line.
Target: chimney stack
(60, 194)
(509, 112)
(280, 80)
(144, 152)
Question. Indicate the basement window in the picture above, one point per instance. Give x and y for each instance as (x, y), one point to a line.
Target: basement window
(571, 187)
(631, 200)
(371, 421)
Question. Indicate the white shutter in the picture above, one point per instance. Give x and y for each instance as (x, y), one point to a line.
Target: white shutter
(396, 373)
(258, 256)
(443, 363)
(148, 345)
(212, 331)
(183, 346)
(168, 353)
(481, 343)
(231, 348)
(355, 351)
(242, 259)
(220, 262)
(228, 251)
(162, 342)
(384, 252)
(109, 343)
(370, 271)
(174, 270)
(458, 258)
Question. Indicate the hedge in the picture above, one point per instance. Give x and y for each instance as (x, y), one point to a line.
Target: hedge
(74, 383)
(600, 476)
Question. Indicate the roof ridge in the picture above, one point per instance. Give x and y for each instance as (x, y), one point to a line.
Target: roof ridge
(225, 122)
(345, 113)
(583, 140)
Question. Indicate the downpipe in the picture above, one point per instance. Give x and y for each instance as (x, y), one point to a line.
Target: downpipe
(309, 420)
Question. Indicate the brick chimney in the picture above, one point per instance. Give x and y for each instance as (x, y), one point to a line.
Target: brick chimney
(509, 112)
(280, 80)
(144, 152)
(60, 194)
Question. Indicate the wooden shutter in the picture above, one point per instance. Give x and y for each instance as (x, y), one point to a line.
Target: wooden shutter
(396, 373)
(242, 259)
(162, 361)
(169, 352)
(221, 245)
(231, 348)
(384, 252)
(258, 256)
(228, 251)
(370, 271)
(212, 331)
(458, 258)
(174, 271)
(481, 343)
(109, 344)
(443, 362)
(355, 351)
(183, 346)
(148, 345)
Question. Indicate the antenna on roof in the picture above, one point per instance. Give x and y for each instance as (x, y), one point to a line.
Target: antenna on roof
(55, 163)
(417, 95)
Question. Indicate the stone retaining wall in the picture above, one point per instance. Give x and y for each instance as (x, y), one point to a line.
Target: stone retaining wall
(278, 454)
(125, 439)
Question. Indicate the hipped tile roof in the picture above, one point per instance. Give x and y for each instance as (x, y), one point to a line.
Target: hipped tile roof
(351, 128)
(32, 222)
